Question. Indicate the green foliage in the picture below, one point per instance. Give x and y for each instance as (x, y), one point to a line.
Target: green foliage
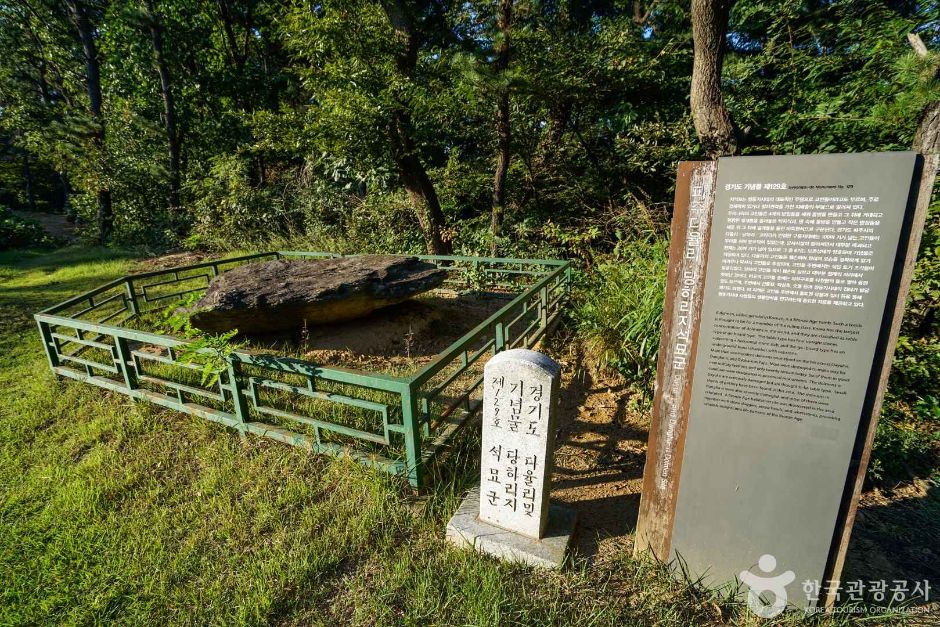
(228, 206)
(210, 350)
(285, 112)
(231, 213)
(618, 308)
(916, 369)
(907, 442)
(806, 77)
(15, 232)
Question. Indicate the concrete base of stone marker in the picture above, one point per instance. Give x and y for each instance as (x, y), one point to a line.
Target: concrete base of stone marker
(466, 529)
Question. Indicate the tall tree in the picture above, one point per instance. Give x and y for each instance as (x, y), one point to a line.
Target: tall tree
(503, 127)
(413, 174)
(79, 13)
(28, 183)
(173, 134)
(238, 52)
(709, 114)
(927, 135)
(35, 92)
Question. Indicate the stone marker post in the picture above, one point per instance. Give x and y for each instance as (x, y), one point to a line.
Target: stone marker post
(509, 514)
(520, 394)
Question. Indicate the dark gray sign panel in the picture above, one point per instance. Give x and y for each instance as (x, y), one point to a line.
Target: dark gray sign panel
(799, 267)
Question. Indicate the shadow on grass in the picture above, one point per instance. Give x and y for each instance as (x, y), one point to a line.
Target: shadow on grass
(52, 260)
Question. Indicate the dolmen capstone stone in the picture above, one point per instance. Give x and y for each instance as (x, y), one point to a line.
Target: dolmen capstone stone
(285, 294)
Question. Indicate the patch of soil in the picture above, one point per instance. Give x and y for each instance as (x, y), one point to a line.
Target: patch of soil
(897, 536)
(171, 260)
(599, 456)
(54, 224)
(393, 339)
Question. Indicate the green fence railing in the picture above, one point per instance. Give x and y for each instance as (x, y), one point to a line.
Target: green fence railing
(395, 423)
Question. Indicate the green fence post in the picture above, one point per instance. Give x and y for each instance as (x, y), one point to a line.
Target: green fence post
(425, 408)
(410, 414)
(499, 342)
(131, 296)
(543, 309)
(48, 343)
(238, 399)
(126, 363)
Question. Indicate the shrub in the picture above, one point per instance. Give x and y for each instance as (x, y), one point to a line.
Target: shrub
(619, 308)
(907, 443)
(229, 210)
(15, 232)
(299, 207)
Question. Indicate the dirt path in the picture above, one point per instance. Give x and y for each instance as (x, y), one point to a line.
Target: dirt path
(172, 260)
(599, 457)
(54, 224)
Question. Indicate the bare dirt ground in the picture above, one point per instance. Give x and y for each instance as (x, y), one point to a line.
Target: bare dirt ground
(54, 224)
(395, 339)
(897, 535)
(600, 452)
(172, 260)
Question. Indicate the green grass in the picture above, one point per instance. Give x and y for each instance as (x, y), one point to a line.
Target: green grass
(620, 309)
(112, 510)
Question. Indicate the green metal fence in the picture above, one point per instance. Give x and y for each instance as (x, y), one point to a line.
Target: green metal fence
(396, 423)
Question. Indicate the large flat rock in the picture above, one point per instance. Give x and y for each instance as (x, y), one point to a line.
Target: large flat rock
(284, 294)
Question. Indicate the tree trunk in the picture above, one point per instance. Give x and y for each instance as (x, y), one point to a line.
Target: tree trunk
(711, 119)
(503, 128)
(546, 148)
(28, 183)
(65, 197)
(85, 32)
(46, 96)
(238, 54)
(558, 118)
(927, 143)
(927, 136)
(173, 138)
(414, 176)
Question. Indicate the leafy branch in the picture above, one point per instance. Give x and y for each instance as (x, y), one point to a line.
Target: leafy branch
(211, 351)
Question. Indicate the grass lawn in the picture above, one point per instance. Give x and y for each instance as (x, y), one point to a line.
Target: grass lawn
(112, 510)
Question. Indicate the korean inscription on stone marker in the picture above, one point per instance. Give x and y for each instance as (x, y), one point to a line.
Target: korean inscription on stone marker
(519, 398)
